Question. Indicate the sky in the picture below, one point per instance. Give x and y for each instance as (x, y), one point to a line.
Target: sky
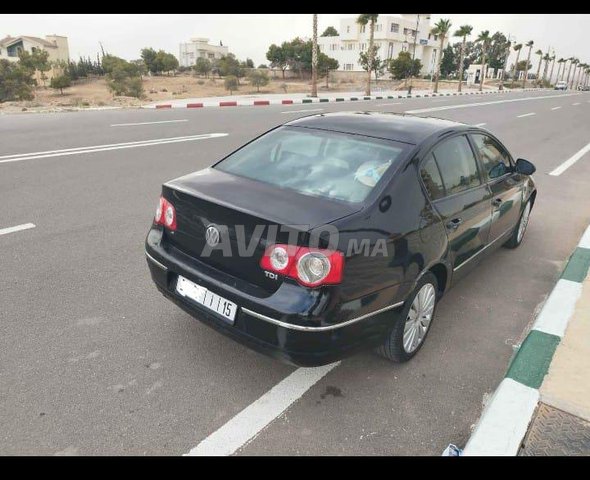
(247, 35)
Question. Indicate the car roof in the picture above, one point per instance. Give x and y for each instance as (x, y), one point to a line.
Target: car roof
(387, 125)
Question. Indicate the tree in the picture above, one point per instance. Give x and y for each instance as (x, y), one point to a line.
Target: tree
(517, 49)
(277, 58)
(377, 66)
(258, 79)
(60, 82)
(449, 63)
(484, 39)
(149, 56)
(497, 52)
(325, 64)
(248, 63)
(166, 61)
(16, 81)
(552, 65)
(314, 57)
(330, 32)
(527, 64)
(441, 28)
(123, 76)
(230, 65)
(540, 53)
(364, 19)
(464, 31)
(262, 65)
(231, 83)
(203, 66)
(403, 65)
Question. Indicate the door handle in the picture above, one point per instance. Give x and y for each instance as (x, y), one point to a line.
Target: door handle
(454, 223)
(496, 202)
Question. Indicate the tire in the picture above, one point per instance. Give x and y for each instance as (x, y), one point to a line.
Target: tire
(393, 346)
(517, 237)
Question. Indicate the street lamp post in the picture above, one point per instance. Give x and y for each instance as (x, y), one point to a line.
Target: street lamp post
(413, 53)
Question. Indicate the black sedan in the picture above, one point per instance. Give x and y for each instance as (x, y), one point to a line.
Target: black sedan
(337, 232)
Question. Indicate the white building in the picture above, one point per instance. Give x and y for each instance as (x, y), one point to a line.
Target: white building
(200, 47)
(393, 34)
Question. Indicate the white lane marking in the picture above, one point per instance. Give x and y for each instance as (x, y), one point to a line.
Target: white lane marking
(387, 104)
(570, 161)
(577, 103)
(505, 420)
(18, 228)
(482, 104)
(526, 115)
(480, 124)
(585, 240)
(558, 308)
(555, 108)
(249, 422)
(101, 148)
(146, 123)
(306, 110)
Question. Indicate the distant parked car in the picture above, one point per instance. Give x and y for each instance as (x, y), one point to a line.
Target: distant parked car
(561, 85)
(584, 88)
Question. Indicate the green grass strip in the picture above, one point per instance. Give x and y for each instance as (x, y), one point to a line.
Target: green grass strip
(531, 363)
(577, 266)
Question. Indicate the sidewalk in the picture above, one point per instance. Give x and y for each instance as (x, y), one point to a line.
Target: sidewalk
(542, 407)
(299, 98)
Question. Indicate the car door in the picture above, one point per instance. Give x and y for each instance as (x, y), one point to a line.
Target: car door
(504, 183)
(452, 179)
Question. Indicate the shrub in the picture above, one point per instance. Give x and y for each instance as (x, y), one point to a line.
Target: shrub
(258, 79)
(16, 82)
(60, 82)
(231, 83)
(201, 82)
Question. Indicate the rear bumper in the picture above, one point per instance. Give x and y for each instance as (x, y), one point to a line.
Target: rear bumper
(301, 339)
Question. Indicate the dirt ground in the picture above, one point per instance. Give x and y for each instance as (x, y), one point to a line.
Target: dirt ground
(93, 92)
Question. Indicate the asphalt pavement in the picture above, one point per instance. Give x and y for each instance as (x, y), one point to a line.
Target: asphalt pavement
(94, 361)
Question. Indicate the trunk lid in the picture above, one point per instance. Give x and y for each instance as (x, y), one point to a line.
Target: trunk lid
(246, 213)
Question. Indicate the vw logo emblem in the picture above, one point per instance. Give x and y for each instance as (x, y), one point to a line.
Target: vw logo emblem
(212, 236)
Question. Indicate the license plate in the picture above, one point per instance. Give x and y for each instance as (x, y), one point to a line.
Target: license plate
(207, 298)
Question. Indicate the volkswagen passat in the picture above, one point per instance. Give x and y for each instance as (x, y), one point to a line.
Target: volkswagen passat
(337, 232)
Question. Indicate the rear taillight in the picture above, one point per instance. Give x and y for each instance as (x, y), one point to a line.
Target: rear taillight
(165, 214)
(311, 267)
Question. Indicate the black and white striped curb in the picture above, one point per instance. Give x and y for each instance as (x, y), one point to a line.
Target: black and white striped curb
(295, 101)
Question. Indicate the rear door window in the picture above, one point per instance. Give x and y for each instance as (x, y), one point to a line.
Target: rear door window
(432, 179)
(457, 165)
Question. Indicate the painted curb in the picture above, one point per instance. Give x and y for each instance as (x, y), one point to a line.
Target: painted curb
(288, 101)
(505, 420)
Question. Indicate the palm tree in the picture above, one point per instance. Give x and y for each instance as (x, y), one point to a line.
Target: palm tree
(364, 19)
(540, 53)
(484, 38)
(546, 58)
(569, 70)
(441, 28)
(314, 58)
(463, 31)
(516, 48)
(526, 68)
(575, 61)
(552, 65)
(560, 63)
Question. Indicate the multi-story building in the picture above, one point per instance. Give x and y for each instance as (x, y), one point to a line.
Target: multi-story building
(55, 45)
(393, 34)
(200, 47)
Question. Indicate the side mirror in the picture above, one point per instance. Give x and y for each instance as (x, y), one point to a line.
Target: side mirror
(525, 167)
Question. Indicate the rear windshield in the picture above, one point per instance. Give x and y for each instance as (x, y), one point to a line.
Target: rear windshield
(315, 162)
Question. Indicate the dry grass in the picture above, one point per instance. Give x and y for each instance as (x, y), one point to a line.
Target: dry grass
(93, 92)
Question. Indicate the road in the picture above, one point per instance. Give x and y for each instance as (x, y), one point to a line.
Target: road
(93, 361)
